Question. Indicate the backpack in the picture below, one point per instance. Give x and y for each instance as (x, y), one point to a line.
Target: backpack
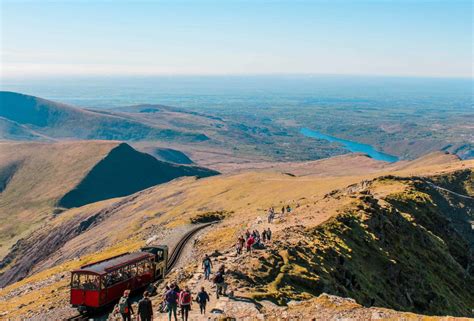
(171, 296)
(185, 298)
(123, 305)
(218, 278)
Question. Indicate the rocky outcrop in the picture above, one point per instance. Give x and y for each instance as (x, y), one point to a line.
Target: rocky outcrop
(408, 251)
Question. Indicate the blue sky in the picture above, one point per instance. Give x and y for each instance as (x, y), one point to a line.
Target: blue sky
(74, 37)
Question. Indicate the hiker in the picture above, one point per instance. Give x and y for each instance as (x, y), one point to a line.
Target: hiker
(288, 209)
(145, 309)
(125, 306)
(151, 289)
(115, 315)
(269, 234)
(256, 236)
(264, 235)
(221, 287)
(202, 298)
(240, 244)
(171, 298)
(185, 303)
(283, 210)
(250, 242)
(207, 264)
(271, 214)
(247, 234)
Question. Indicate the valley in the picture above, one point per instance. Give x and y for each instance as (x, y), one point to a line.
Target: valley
(388, 235)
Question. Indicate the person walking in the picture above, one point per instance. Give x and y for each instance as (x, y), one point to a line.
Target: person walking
(171, 299)
(125, 306)
(202, 298)
(145, 309)
(264, 236)
(271, 215)
(185, 300)
(269, 234)
(250, 242)
(239, 245)
(219, 280)
(207, 265)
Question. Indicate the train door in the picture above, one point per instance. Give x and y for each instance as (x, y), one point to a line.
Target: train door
(161, 259)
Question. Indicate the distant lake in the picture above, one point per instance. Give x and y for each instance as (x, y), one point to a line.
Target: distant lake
(352, 146)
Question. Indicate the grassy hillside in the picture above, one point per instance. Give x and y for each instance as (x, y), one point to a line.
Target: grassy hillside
(125, 171)
(410, 251)
(11, 130)
(170, 155)
(343, 225)
(38, 180)
(34, 176)
(58, 120)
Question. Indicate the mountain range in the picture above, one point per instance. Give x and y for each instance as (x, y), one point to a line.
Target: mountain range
(364, 239)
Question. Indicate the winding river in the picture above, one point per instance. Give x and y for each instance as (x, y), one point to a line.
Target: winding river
(350, 145)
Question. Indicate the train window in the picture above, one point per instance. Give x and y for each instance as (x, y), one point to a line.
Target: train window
(159, 255)
(85, 281)
(141, 268)
(126, 274)
(148, 267)
(133, 270)
(112, 278)
(75, 282)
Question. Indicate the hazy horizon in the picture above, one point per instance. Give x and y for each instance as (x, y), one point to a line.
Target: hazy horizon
(190, 38)
(221, 91)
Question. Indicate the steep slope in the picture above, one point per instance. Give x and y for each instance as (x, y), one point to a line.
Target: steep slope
(409, 250)
(34, 176)
(125, 171)
(37, 178)
(11, 130)
(341, 238)
(170, 155)
(58, 120)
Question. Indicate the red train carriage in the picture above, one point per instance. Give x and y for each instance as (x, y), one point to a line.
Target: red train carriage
(101, 283)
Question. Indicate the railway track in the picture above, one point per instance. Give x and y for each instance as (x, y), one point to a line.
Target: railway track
(174, 257)
(172, 261)
(78, 318)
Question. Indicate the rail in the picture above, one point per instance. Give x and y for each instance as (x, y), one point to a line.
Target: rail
(174, 257)
(173, 260)
(447, 190)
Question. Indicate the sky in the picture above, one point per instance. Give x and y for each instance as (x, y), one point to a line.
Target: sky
(347, 37)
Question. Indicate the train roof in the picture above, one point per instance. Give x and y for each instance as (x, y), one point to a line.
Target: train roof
(113, 263)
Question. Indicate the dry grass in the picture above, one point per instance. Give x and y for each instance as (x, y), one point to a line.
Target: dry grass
(171, 205)
(46, 172)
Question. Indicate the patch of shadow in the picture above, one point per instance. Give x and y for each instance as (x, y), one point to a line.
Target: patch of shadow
(172, 156)
(125, 171)
(6, 174)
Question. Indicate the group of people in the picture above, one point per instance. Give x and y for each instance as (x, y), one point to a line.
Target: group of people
(125, 310)
(253, 239)
(271, 212)
(218, 279)
(175, 297)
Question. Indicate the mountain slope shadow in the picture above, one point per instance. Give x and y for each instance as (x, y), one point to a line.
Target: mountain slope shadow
(125, 171)
(6, 173)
